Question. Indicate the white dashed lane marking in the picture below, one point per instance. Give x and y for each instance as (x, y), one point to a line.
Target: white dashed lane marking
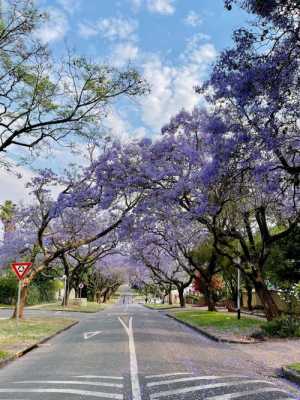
(99, 377)
(232, 387)
(68, 387)
(67, 391)
(193, 378)
(167, 375)
(248, 393)
(89, 383)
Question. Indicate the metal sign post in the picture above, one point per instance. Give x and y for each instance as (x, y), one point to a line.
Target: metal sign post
(21, 270)
(18, 305)
(238, 294)
(81, 286)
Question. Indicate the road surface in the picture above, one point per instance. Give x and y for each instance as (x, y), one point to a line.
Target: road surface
(132, 353)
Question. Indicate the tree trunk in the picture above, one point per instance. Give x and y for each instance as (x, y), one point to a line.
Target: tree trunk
(170, 298)
(109, 293)
(265, 296)
(23, 298)
(65, 301)
(181, 296)
(249, 297)
(209, 297)
(98, 297)
(105, 295)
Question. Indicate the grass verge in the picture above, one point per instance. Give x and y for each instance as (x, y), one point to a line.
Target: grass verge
(223, 325)
(295, 367)
(3, 355)
(30, 332)
(89, 308)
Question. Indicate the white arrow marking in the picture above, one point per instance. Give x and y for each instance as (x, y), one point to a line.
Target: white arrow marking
(88, 335)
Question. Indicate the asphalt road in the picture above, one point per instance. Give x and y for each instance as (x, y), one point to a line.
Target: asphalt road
(130, 352)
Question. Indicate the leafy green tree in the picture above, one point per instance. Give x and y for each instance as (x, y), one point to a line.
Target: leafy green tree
(44, 100)
(283, 269)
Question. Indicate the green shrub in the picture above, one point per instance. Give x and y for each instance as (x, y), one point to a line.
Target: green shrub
(8, 288)
(34, 295)
(38, 291)
(285, 326)
(192, 299)
(48, 290)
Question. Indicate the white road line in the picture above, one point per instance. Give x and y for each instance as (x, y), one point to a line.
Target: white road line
(230, 396)
(166, 375)
(118, 314)
(91, 383)
(88, 335)
(135, 384)
(67, 391)
(193, 378)
(201, 387)
(99, 376)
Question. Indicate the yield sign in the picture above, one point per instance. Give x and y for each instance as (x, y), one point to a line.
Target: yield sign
(21, 269)
(88, 335)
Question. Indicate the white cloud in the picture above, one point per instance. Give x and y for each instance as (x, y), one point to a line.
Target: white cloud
(70, 6)
(161, 6)
(136, 4)
(12, 187)
(117, 125)
(54, 28)
(193, 19)
(114, 28)
(172, 86)
(124, 53)
(117, 28)
(86, 30)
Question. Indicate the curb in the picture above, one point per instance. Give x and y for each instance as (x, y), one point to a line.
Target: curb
(210, 335)
(161, 309)
(21, 353)
(68, 311)
(291, 375)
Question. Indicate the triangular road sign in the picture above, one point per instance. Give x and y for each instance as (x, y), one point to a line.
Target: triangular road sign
(21, 269)
(88, 335)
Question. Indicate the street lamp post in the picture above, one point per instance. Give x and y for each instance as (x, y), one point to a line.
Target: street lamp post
(65, 289)
(238, 294)
(237, 260)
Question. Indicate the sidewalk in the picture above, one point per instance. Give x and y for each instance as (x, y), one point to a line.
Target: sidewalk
(274, 353)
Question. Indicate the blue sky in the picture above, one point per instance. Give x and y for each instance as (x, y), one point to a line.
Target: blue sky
(173, 43)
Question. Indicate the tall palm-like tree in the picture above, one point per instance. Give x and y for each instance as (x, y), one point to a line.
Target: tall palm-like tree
(7, 217)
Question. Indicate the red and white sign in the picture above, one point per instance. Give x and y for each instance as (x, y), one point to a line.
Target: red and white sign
(21, 269)
(81, 285)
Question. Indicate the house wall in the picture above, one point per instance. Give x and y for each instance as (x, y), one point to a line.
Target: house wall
(279, 302)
